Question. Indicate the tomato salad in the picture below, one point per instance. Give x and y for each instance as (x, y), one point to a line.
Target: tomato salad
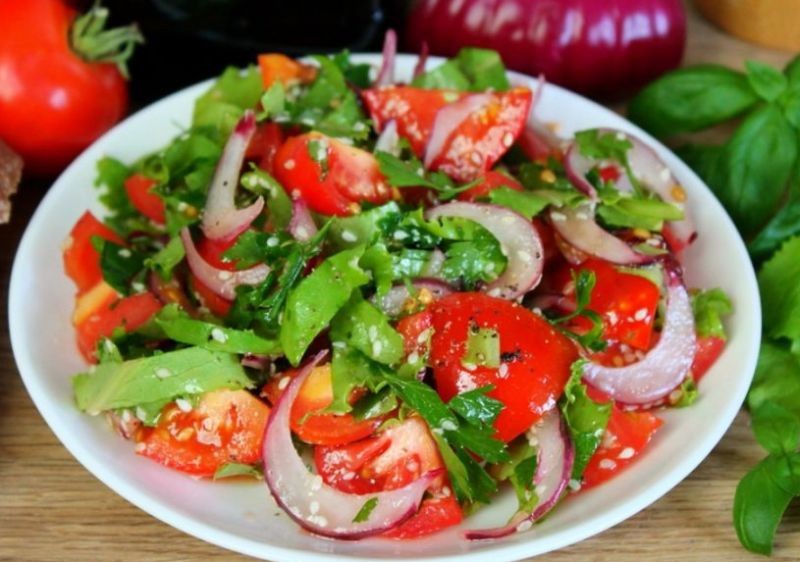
(389, 300)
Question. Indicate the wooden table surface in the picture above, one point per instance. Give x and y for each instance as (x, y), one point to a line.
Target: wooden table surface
(51, 508)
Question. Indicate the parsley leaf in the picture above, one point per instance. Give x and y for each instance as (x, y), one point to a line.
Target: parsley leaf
(709, 306)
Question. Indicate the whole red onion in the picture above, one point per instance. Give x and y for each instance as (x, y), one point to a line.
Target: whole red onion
(603, 48)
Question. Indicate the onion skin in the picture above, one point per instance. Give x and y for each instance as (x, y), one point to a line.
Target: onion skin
(601, 48)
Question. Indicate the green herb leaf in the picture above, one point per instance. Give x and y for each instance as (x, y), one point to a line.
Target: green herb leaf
(782, 226)
(166, 259)
(766, 81)
(776, 428)
(527, 203)
(273, 100)
(224, 103)
(757, 162)
(278, 203)
(119, 265)
(476, 407)
(585, 418)
(709, 306)
(159, 378)
(363, 327)
(317, 298)
(472, 69)
(777, 379)
(758, 507)
(691, 99)
(365, 511)
(779, 285)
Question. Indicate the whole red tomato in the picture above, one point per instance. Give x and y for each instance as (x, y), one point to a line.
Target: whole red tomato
(54, 102)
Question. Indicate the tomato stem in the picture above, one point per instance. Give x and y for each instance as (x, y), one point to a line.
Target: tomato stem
(92, 42)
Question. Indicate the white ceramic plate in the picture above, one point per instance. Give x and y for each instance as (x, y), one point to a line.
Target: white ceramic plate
(242, 516)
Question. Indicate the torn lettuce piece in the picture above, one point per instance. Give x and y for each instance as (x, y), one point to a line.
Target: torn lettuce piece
(157, 379)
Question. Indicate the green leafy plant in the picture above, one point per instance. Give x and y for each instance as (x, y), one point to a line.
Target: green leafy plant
(756, 176)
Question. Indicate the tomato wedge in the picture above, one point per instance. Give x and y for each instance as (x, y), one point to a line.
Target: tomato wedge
(535, 358)
(483, 137)
(627, 302)
(332, 177)
(81, 260)
(139, 189)
(309, 422)
(264, 145)
(128, 313)
(413, 329)
(626, 436)
(434, 514)
(413, 109)
(226, 426)
(490, 181)
(709, 348)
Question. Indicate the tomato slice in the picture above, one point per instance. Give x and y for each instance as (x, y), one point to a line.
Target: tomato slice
(535, 357)
(128, 313)
(335, 179)
(226, 426)
(413, 328)
(625, 438)
(491, 180)
(217, 305)
(626, 302)
(308, 421)
(709, 348)
(139, 189)
(266, 141)
(434, 514)
(481, 139)
(390, 460)
(81, 260)
(413, 109)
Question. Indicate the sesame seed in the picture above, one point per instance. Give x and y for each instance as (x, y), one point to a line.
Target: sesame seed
(289, 164)
(224, 275)
(556, 216)
(163, 372)
(607, 464)
(413, 357)
(449, 425)
(124, 253)
(502, 371)
(626, 453)
(272, 241)
(524, 525)
(664, 174)
(218, 335)
(400, 235)
(348, 236)
(640, 314)
(316, 482)
(313, 507)
(183, 405)
(283, 383)
(508, 139)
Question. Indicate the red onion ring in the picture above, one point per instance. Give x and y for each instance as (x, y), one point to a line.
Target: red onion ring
(555, 457)
(386, 73)
(221, 219)
(519, 242)
(314, 505)
(220, 281)
(577, 166)
(651, 171)
(301, 226)
(389, 139)
(392, 302)
(578, 228)
(447, 120)
(665, 366)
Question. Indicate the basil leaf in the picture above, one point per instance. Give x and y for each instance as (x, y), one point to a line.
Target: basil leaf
(783, 225)
(792, 72)
(758, 507)
(766, 81)
(757, 163)
(776, 428)
(777, 379)
(691, 99)
(312, 304)
(779, 285)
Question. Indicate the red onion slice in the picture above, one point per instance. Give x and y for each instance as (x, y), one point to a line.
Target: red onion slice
(386, 73)
(314, 505)
(578, 228)
(301, 226)
(392, 302)
(577, 166)
(555, 457)
(419, 68)
(519, 242)
(220, 281)
(651, 171)
(389, 139)
(221, 219)
(447, 120)
(665, 366)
